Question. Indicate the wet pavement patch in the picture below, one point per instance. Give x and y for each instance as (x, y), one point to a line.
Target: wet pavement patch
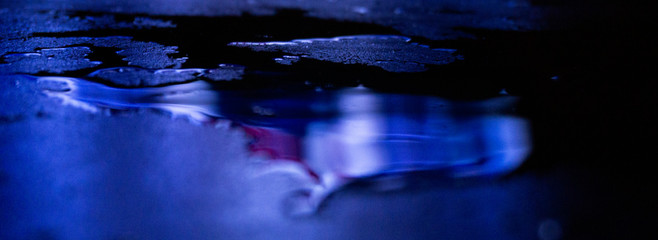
(140, 77)
(68, 54)
(204, 39)
(389, 52)
(294, 49)
(53, 60)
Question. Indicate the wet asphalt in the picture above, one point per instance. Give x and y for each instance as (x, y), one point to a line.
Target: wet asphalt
(582, 71)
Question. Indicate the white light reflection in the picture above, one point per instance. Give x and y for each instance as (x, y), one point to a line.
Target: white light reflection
(379, 134)
(195, 100)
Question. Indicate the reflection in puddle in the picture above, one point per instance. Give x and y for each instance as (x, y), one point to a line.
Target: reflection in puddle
(335, 137)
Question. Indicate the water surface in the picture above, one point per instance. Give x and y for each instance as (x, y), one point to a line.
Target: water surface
(333, 137)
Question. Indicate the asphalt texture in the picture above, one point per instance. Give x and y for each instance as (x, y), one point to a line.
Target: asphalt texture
(583, 72)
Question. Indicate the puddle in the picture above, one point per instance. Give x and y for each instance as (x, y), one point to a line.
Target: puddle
(322, 121)
(333, 137)
(303, 101)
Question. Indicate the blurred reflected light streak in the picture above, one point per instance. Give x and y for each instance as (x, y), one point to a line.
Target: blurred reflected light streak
(333, 138)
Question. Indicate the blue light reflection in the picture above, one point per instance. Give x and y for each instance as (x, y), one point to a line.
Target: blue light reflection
(335, 137)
